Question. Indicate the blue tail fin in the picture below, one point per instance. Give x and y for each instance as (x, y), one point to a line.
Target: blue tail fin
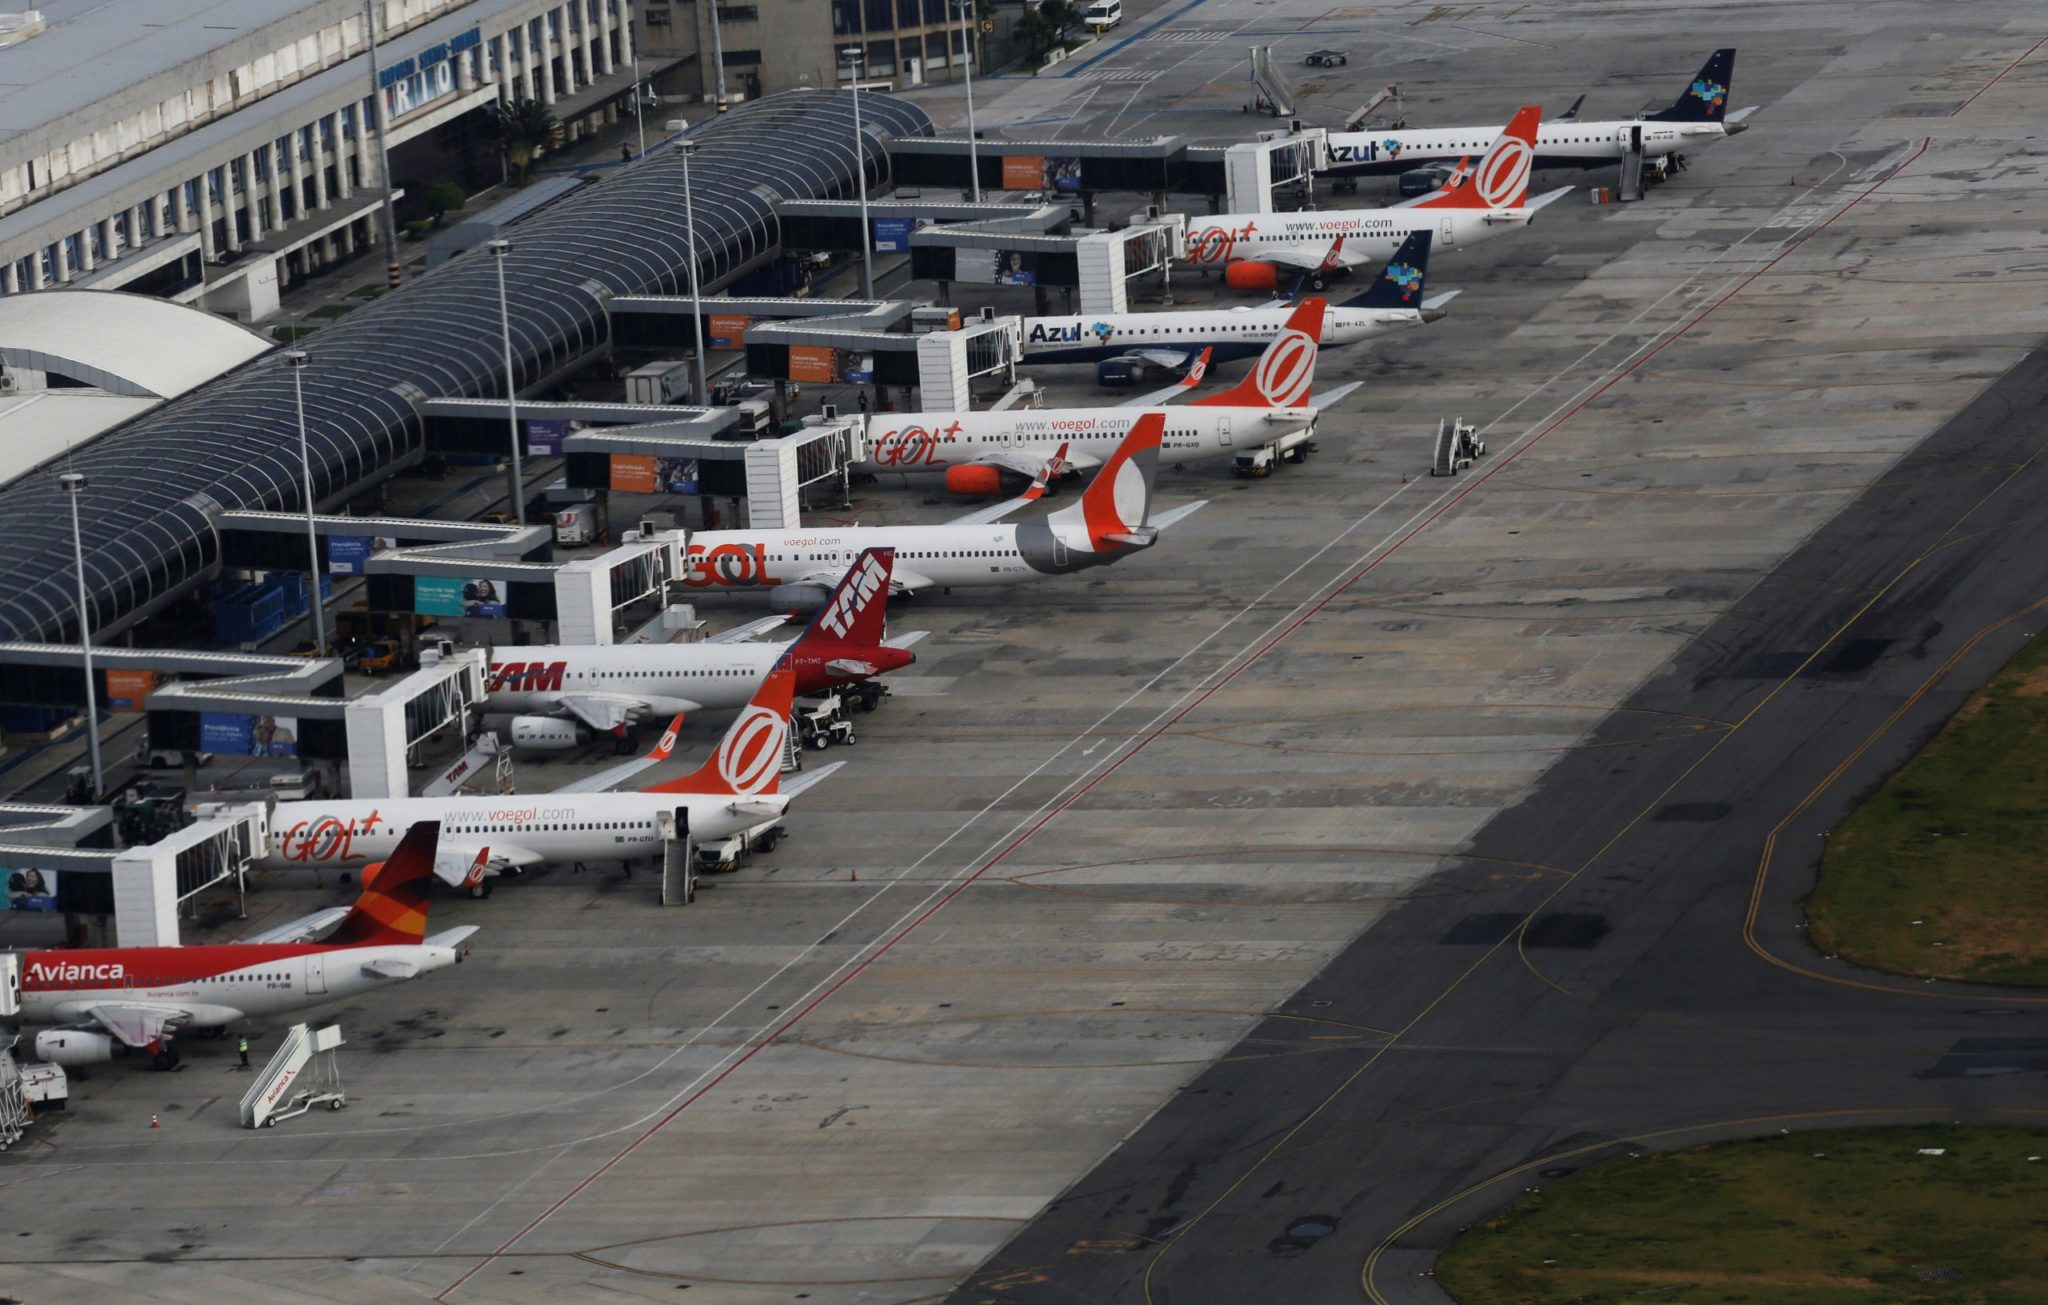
(1399, 284)
(1706, 100)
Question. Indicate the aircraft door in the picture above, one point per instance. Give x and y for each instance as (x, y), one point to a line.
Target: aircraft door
(1223, 431)
(316, 975)
(1449, 235)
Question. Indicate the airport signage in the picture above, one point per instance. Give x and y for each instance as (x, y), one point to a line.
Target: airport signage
(544, 438)
(126, 689)
(729, 330)
(817, 364)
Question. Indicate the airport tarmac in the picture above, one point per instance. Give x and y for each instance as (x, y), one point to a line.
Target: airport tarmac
(1108, 828)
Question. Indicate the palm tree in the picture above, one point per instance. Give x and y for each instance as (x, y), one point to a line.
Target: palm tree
(524, 129)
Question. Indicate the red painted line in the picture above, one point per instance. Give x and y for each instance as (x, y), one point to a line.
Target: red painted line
(2001, 76)
(1250, 660)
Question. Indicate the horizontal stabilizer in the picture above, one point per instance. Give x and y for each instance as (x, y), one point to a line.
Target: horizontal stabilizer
(906, 639)
(1329, 398)
(453, 937)
(301, 929)
(1435, 302)
(1164, 519)
(796, 784)
(1142, 537)
(1549, 197)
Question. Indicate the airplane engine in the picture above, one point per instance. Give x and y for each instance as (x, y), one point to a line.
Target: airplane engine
(804, 599)
(974, 480)
(1252, 276)
(547, 733)
(70, 1047)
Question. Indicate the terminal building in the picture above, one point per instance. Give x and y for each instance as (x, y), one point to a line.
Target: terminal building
(213, 152)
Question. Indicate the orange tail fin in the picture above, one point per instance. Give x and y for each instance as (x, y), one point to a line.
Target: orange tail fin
(1501, 178)
(393, 907)
(748, 760)
(1286, 371)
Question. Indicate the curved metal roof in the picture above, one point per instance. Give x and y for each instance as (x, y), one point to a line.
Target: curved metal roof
(122, 343)
(234, 444)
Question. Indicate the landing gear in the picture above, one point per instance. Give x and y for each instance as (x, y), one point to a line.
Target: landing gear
(627, 744)
(479, 891)
(165, 1060)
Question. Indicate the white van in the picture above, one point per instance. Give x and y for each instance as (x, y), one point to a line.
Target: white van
(1103, 14)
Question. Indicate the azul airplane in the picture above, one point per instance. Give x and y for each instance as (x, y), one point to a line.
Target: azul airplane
(117, 999)
(738, 789)
(1176, 339)
(978, 450)
(560, 694)
(1255, 248)
(1699, 116)
(1112, 520)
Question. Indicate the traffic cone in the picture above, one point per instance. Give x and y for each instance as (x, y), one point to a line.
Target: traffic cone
(153, 1122)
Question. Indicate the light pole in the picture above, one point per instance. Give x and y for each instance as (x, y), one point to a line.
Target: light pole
(973, 158)
(639, 98)
(718, 57)
(500, 251)
(297, 359)
(855, 58)
(392, 272)
(74, 485)
(688, 148)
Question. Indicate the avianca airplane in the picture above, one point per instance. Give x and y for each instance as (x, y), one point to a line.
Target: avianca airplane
(739, 788)
(1112, 520)
(1255, 248)
(1699, 116)
(977, 450)
(559, 694)
(117, 999)
(1175, 339)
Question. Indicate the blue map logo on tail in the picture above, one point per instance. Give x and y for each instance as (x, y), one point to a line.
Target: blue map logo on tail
(1407, 279)
(1712, 94)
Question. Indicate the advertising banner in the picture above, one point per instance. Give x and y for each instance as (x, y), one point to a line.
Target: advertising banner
(230, 734)
(817, 364)
(1016, 267)
(1023, 172)
(434, 595)
(346, 554)
(127, 688)
(892, 235)
(1063, 174)
(632, 473)
(544, 438)
(32, 890)
(728, 330)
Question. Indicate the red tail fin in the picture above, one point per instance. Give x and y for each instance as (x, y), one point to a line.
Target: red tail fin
(1501, 179)
(393, 907)
(1286, 371)
(857, 609)
(1119, 499)
(748, 760)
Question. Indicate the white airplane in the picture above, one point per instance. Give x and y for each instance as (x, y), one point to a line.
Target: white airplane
(738, 789)
(978, 450)
(1699, 116)
(1112, 520)
(1175, 339)
(561, 694)
(1254, 248)
(136, 998)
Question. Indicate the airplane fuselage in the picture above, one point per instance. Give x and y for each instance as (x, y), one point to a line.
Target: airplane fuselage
(934, 441)
(1231, 334)
(1369, 234)
(540, 828)
(949, 556)
(1558, 145)
(213, 985)
(663, 678)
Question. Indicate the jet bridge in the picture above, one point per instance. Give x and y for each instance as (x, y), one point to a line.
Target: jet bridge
(769, 477)
(1246, 177)
(141, 887)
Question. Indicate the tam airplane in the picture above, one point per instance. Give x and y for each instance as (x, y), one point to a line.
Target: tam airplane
(1699, 116)
(1112, 520)
(977, 450)
(1174, 339)
(117, 999)
(560, 694)
(737, 789)
(1254, 249)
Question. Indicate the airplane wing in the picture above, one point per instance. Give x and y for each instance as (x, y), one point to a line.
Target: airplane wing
(1160, 521)
(1571, 114)
(1162, 357)
(1047, 472)
(794, 784)
(1197, 371)
(742, 633)
(138, 1026)
(1329, 398)
(299, 930)
(1549, 197)
(605, 780)
(607, 712)
(1308, 260)
(902, 580)
(464, 865)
